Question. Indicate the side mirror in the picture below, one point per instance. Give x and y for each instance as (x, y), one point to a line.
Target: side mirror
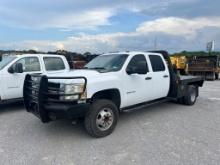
(11, 70)
(18, 68)
(141, 68)
(130, 70)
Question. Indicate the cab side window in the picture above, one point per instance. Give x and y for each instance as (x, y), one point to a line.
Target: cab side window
(157, 63)
(54, 63)
(138, 60)
(30, 64)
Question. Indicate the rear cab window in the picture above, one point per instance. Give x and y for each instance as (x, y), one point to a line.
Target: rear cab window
(157, 63)
(54, 63)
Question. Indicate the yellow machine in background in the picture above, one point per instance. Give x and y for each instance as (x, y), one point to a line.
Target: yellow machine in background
(180, 62)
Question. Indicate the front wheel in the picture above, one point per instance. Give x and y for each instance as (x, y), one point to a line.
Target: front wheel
(191, 95)
(102, 118)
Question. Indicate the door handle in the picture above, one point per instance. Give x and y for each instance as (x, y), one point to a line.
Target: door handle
(165, 76)
(148, 78)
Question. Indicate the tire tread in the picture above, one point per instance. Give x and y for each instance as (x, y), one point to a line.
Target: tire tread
(92, 113)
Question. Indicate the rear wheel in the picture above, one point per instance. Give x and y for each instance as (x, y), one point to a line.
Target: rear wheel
(191, 95)
(180, 100)
(216, 76)
(102, 118)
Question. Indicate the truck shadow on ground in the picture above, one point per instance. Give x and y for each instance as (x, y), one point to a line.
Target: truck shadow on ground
(77, 131)
(167, 107)
(11, 107)
(60, 128)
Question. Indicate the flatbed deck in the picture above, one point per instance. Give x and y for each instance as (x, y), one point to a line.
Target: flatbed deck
(188, 79)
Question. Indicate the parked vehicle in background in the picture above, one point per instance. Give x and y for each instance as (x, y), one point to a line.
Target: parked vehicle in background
(109, 84)
(206, 66)
(13, 70)
(180, 63)
(78, 64)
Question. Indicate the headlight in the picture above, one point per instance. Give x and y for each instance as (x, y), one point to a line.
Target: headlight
(73, 91)
(73, 88)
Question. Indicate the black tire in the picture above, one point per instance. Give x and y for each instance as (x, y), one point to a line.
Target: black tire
(180, 100)
(92, 116)
(191, 95)
(182, 72)
(216, 76)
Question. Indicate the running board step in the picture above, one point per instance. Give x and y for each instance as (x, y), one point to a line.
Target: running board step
(146, 104)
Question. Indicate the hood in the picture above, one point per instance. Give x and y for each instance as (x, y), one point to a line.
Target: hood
(75, 73)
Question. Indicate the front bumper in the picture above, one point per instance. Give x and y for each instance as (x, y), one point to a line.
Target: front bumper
(42, 99)
(59, 111)
(53, 112)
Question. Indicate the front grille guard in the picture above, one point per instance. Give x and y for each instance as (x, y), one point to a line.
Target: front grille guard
(38, 92)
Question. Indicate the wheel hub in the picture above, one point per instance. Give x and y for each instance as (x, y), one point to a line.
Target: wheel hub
(193, 96)
(104, 119)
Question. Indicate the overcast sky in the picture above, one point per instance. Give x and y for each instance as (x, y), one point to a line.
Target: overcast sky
(101, 25)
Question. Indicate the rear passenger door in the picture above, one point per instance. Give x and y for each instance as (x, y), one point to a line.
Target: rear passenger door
(160, 76)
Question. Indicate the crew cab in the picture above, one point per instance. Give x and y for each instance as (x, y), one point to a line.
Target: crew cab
(14, 68)
(109, 84)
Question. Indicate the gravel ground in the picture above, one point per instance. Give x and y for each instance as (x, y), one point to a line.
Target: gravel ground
(162, 134)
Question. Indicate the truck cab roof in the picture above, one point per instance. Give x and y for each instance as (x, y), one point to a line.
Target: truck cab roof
(28, 55)
(132, 52)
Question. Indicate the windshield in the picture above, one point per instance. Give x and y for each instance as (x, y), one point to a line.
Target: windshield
(6, 60)
(112, 62)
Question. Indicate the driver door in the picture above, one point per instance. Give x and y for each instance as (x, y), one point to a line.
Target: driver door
(15, 81)
(138, 87)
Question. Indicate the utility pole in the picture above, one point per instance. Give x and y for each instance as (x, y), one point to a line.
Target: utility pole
(210, 47)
